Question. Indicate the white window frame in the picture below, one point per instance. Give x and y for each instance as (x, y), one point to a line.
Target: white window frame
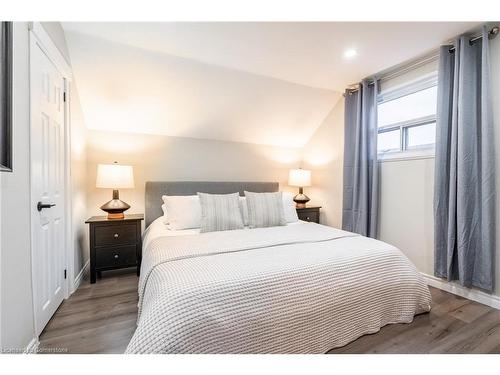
(419, 152)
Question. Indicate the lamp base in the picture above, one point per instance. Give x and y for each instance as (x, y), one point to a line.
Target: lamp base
(301, 199)
(119, 216)
(115, 207)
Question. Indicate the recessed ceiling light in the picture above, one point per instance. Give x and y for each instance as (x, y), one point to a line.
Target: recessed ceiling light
(350, 53)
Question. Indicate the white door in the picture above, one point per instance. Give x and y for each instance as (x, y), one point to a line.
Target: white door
(47, 185)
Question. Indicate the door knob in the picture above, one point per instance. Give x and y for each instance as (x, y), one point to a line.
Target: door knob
(40, 206)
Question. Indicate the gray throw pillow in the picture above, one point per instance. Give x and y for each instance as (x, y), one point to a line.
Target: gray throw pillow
(265, 209)
(220, 212)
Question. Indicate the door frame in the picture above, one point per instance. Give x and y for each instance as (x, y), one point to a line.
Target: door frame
(39, 38)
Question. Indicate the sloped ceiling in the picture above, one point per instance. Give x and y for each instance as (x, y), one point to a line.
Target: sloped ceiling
(265, 83)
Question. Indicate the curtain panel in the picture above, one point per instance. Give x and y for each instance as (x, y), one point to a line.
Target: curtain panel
(464, 192)
(360, 190)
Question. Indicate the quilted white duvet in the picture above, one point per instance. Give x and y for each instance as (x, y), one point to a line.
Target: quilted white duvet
(302, 288)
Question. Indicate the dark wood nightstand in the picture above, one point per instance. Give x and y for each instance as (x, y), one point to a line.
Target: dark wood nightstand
(114, 243)
(309, 213)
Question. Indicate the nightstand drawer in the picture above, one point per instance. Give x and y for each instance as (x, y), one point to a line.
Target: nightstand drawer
(116, 257)
(308, 214)
(124, 234)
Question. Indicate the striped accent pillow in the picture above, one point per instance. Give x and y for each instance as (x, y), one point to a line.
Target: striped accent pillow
(265, 209)
(220, 212)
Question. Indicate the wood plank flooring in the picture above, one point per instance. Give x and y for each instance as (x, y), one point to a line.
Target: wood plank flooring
(97, 318)
(101, 318)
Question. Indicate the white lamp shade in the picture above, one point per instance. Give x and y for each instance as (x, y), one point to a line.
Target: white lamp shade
(299, 177)
(114, 176)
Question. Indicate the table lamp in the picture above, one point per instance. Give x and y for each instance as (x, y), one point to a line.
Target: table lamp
(115, 176)
(300, 178)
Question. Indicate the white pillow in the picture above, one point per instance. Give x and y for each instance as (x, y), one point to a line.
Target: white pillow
(289, 208)
(220, 212)
(183, 212)
(244, 210)
(164, 209)
(265, 209)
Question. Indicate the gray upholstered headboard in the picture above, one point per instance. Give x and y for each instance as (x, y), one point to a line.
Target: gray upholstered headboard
(155, 189)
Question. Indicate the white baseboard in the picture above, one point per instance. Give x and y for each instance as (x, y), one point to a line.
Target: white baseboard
(32, 346)
(79, 277)
(454, 288)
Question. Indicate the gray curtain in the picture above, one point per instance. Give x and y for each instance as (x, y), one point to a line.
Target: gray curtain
(360, 192)
(464, 195)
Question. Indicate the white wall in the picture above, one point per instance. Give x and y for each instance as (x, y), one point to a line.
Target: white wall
(16, 294)
(78, 183)
(214, 120)
(162, 158)
(406, 216)
(129, 89)
(56, 33)
(323, 154)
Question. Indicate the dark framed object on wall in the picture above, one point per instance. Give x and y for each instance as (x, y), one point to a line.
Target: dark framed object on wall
(6, 96)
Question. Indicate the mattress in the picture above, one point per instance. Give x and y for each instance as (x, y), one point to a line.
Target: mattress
(299, 288)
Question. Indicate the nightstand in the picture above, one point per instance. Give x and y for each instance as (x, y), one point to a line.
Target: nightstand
(309, 213)
(114, 243)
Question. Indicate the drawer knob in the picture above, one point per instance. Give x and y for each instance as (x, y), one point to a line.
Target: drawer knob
(116, 256)
(115, 235)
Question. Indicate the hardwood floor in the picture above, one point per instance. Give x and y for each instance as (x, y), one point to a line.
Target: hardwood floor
(454, 325)
(97, 318)
(100, 318)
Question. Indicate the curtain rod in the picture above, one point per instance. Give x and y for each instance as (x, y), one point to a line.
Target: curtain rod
(491, 35)
(395, 71)
(399, 69)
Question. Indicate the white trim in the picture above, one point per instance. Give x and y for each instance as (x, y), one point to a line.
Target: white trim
(32, 347)
(419, 121)
(51, 49)
(454, 288)
(416, 154)
(79, 277)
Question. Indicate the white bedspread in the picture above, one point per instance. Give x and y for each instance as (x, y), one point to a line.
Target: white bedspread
(303, 288)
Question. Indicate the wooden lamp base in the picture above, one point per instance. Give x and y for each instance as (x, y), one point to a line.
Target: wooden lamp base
(112, 216)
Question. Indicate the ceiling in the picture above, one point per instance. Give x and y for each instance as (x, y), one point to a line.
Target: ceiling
(307, 53)
(264, 83)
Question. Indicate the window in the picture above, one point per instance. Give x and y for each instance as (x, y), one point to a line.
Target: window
(407, 119)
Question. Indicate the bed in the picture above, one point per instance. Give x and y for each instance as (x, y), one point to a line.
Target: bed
(299, 288)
